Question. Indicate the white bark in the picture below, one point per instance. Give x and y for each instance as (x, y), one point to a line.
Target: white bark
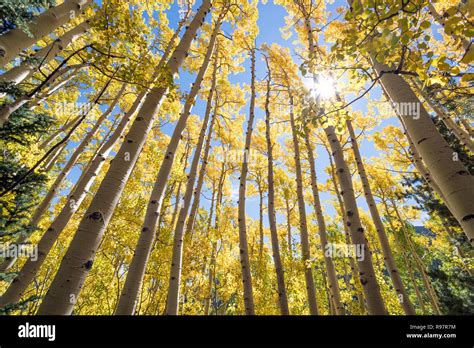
(305, 247)
(177, 255)
(16, 40)
(75, 198)
(35, 97)
(282, 296)
(136, 270)
(79, 258)
(56, 133)
(369, 282)
(451, 176)
(243, 244)
(45, 55)
(46, 201)
(461, 134)
(334, 292)
(390, 264)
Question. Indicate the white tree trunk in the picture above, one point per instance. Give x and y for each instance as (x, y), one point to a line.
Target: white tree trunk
(43, 206)
(142, 252)
(77, 195)
(53, 158)
(77, 262)
(56, 134)
(369, 282)
(243, 244)
(392, 269)
(202, 173)
(16, 40)
(34, 97)
(334, 292)
(282, 296)
(45, 55)
(453, 179)
(177, 255)
(305, 247)
(461, 134)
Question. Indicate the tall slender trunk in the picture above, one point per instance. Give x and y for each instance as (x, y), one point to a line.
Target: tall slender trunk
(212, 266)
(177, 255)
(243, 244)
(280, 273)
(77, 262)
(369, 282)
(177, 200)
(451, 176)
(353, 265)
(58, 132)
(466, 44)
(45, 55)
(418, 294)
(260, 224)
(77, 195)
(460, 134)
(207, 148)
(56, 86)
(33, 98)
(207, 299)
(52, 159)
(288, 227)
(421, 265)
(43, 206)
(334, 291)
(400, 289)
(220, 196)
(331, 307)
(210, 280)
(413, 254)
(305, 248)
(16, 40)
(136, 272)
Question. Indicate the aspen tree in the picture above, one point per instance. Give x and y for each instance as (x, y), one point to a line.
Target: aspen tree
(243, 244)
(77, 262)
(143, 249)
(45, 55)
(43, 206)
(461, 134)
(369, 282)
(202, 170)
(452, 177)
(53, 136)
(334, 293)
(16, 40)
(367, 274)
(282, 296)
(177, 257)
(75, 198)
(34, 97)
(383, 239)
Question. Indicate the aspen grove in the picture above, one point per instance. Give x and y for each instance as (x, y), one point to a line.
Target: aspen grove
(231, 157)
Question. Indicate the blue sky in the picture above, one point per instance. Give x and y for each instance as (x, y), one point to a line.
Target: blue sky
(271, 19)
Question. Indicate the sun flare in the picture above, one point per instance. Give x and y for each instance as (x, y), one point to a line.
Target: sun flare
(324, 87)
